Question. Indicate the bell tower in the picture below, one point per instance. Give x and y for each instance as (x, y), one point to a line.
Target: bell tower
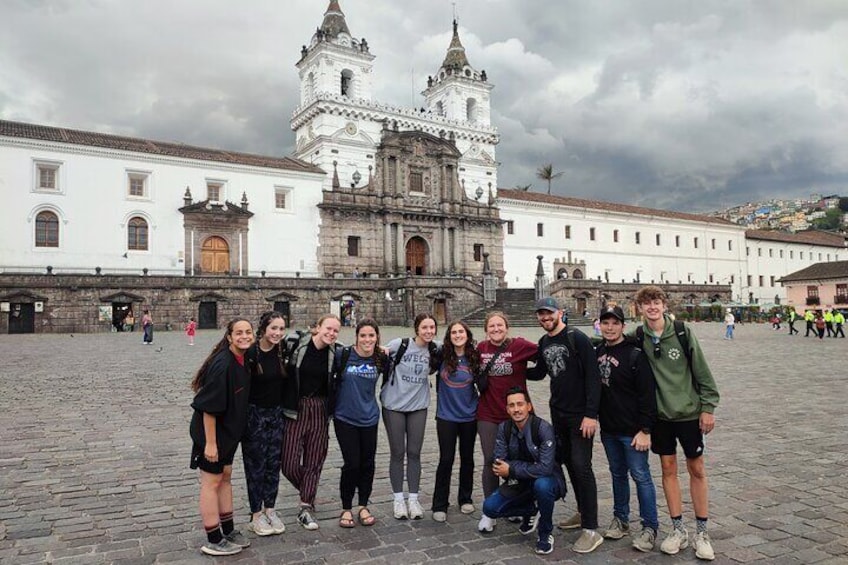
(335, 73)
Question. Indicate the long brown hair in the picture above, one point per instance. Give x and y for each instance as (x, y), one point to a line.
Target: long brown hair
(469, 350)
(197, 381)
(264, 321)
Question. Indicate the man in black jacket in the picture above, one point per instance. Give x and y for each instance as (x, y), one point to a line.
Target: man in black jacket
(569, 358)
(628, 413)
(525, 457)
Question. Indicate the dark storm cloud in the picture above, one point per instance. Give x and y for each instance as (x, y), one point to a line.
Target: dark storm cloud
(685, 105)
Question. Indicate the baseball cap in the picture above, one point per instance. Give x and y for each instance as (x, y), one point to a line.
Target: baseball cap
(548, 303)
(615, 312)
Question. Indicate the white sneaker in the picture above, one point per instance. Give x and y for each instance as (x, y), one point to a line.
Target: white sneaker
(676, 540)
(486, 524)
(440, 516)
(467, 508)
(275, 521)
(703, 546)
(400, 511)
(415, 510)
(261, 526)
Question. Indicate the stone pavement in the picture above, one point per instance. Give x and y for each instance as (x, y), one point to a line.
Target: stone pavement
(94, 454)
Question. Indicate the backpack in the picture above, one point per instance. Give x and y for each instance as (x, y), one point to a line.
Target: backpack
(291, 342)
(683, 339)
(634, 356)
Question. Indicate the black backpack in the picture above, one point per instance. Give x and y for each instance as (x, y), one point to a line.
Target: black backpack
(432, 348)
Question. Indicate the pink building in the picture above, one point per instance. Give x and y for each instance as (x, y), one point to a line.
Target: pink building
(823, 285)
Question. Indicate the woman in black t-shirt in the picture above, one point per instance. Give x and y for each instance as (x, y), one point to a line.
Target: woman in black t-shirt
(262, 444)
(221, 386)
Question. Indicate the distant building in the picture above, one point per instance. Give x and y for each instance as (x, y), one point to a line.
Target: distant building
(822, 285)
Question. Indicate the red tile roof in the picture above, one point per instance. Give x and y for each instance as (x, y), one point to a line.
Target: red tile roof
(527, 196)
(138, 145)
(823, 238)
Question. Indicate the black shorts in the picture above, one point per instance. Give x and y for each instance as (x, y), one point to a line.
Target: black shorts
(198, 461)
(665, 435)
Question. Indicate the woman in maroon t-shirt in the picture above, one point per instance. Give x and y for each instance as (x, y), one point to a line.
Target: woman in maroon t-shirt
(508, 369)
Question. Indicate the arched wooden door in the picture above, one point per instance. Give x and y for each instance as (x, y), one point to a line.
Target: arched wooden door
(416, 256)
(215, 256)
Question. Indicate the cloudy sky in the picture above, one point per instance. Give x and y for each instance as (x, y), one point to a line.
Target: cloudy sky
(681, 104)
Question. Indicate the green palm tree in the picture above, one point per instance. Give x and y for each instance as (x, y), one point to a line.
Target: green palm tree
(547, 173)
(524, 187)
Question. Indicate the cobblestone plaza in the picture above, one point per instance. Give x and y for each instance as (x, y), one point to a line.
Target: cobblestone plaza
(94, 454)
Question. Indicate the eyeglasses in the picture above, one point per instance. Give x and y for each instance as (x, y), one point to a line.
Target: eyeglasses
(657, 350)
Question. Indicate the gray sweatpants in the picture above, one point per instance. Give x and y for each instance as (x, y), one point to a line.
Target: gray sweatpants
(406, 436)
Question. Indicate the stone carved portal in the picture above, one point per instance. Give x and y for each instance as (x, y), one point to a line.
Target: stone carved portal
(416, 256)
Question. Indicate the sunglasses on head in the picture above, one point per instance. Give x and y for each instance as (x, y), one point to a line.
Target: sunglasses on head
(657, 350)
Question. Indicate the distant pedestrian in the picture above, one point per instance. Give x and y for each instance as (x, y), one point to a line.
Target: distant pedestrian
(820, 325)
(729, 324)
(129, 322)
(221, 387)
(596, 326)
(147, 327)
(828, 323)
(793, 315)
(190, 330)
(810, 319)
(839, 321)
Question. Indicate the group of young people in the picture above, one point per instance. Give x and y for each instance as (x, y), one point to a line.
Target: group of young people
(276, 394)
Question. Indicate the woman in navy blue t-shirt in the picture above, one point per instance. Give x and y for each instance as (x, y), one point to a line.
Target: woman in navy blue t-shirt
(456, 418)
(356, 417)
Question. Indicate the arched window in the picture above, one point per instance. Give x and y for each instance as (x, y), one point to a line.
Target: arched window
(46, 230)
(310, 86)
(440, 109)
(347, 83)
(578, 274)
(471, 109)
(137, 234)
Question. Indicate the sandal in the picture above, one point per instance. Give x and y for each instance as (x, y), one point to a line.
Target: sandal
(367, 520)
(346, 522)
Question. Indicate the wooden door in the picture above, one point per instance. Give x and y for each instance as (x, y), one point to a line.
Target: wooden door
(215, 256)
(416, 256)
(207, 316)
(22, 318)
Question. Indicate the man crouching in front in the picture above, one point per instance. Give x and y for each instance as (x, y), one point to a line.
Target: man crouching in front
(525, 457)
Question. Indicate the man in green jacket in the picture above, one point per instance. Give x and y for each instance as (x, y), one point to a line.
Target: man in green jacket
(686, 398)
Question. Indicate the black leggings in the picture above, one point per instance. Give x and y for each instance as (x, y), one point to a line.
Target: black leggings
(358, 446)
(448, 433)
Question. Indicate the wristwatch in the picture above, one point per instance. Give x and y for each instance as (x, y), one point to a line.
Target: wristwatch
(646, 431)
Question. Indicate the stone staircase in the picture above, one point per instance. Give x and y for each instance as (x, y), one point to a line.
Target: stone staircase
(517, 304)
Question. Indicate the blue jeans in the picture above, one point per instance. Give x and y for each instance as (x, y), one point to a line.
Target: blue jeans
(540, 498)
(622, 458)
(729, 332)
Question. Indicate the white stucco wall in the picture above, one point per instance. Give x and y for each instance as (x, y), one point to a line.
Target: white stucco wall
(93, 206)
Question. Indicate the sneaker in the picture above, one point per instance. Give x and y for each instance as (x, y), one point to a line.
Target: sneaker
(486, 524)
(703, 546)
(617, 529)
(415, 510)
(571, 523)
(275, 521)
(223, 547)
(237, 538)
(261, 526)
(676, 540)
(400, 510)
(545, 545)
(305, 519)
(588, 542)
(529, 524)
(440, 516)
(467, 508)
(645, 540)
(515, 519)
